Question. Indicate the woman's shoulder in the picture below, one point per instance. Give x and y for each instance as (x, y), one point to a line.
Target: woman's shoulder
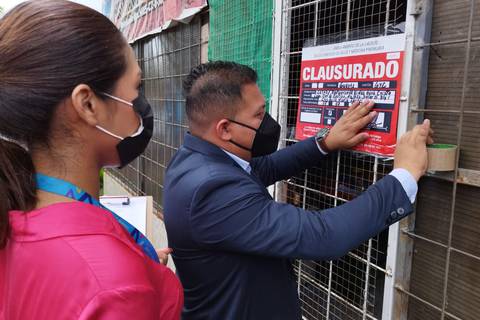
(111, 260)
(60, 219)
(91, 238)
(81, 247)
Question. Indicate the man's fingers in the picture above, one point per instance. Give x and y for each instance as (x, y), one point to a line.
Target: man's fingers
(163, 260)
(405, 138)
(359, 138)
(430, 140)
(430, 136)
(165, 250)
(163, 255)
(363, 109)
(363, 122)
(426, 125)
(421, 132)
(422, 129)
(366, 106)
(420, 136)
(418, 130)
(353, 106)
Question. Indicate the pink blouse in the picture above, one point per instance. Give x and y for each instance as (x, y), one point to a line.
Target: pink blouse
(74, 261)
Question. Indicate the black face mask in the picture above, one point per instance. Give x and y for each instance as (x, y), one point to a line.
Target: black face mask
(266, 137)
(131, 147)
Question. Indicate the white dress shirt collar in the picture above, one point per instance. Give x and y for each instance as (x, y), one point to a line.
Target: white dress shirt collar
(242, 163)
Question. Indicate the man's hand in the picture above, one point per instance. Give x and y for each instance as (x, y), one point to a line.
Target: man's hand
(163, 255)
(411, 151)
(346, 132)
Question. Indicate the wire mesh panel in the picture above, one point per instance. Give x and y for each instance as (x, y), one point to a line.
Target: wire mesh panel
(165, 60)
(445, 276)
(351, 287)
(241, 31)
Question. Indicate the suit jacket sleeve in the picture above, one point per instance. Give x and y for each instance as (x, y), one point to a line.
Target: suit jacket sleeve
(287, 162)
(232, 214)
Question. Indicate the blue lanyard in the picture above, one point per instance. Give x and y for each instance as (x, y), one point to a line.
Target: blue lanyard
(67, 189)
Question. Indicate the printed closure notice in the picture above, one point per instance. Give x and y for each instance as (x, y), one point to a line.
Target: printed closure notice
(334, 76)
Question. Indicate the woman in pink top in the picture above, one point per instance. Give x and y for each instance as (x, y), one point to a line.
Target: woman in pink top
(70, 105)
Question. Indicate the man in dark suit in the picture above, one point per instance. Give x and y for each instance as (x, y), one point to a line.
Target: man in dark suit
(232, 243)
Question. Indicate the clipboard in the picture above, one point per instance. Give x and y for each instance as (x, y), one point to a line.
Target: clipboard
(138, 211)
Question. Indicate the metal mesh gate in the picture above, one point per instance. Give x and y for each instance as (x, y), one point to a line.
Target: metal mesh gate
(351, 287)
(165, 60)
(445, 268)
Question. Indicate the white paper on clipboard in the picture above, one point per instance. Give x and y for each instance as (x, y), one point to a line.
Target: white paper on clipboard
(132, 209)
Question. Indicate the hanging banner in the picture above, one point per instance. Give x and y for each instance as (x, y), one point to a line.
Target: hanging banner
(334, 76)
(139, 18)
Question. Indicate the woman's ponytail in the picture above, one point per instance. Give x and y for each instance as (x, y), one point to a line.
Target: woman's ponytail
(17, 184)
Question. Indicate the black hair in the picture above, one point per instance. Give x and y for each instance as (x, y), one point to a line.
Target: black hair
(214, 89)
(47, 48)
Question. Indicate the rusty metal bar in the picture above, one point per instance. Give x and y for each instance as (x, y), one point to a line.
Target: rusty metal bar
(303, 5)
(459, 141)
(416, 236)
(446, 111)
(446, 43)
(399, 288)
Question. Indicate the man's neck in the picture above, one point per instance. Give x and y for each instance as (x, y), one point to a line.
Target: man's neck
(224, 145)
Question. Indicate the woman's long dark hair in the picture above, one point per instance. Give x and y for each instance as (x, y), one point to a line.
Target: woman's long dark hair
(47, 48)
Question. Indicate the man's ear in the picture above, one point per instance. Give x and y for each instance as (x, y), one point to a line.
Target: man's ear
(85, 104)
(223, 130)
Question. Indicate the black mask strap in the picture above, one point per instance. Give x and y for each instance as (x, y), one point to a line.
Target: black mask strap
(243, 125)
(239, 145)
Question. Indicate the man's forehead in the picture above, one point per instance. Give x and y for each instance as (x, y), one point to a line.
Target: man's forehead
(252, 95)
